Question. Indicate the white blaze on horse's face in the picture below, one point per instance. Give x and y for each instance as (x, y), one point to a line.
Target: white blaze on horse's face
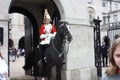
(68, 27)
(69, 37)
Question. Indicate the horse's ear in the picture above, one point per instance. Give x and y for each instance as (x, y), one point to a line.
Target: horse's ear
(57, 25)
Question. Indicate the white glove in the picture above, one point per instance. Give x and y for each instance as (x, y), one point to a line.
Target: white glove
(43, 36)
(49, 36)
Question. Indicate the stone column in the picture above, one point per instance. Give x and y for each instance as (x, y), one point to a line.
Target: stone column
(80, 59)
(4, 24)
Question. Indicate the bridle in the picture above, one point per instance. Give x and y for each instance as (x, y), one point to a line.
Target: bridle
(59, 53)
(63, 48)
(63, 45)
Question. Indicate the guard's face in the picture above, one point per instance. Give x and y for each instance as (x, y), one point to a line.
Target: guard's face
(117, 56)
(47, 21)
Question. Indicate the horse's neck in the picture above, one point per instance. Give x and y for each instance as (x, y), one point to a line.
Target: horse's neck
(58, 41)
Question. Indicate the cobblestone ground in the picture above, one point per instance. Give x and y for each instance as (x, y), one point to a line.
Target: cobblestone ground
(17, 72)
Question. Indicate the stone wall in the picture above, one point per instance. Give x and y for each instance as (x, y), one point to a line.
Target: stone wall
(80, 59)
(4, 47)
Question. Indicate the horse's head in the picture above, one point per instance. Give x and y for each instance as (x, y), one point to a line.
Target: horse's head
(65, 31)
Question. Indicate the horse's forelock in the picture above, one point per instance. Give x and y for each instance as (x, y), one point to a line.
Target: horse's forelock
(65, 28)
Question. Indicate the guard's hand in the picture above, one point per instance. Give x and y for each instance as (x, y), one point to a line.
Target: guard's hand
(47, 36)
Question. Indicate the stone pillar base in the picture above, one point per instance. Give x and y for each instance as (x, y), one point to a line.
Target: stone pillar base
(8, 78)
(80, 74)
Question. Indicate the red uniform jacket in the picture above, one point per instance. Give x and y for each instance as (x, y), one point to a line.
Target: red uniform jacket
(46, 32)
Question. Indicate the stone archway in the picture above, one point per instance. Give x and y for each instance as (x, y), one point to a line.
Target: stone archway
(34, 11)
(21, 43)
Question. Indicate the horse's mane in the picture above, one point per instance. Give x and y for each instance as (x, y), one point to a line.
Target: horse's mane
(59, 23)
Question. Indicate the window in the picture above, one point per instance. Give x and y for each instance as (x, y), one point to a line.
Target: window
(104, 19)
(116, 6)
(89, 1)
(115, 17)
(90, 19)
(103, 3)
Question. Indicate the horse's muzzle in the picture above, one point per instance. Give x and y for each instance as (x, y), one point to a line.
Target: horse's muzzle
(69, 39)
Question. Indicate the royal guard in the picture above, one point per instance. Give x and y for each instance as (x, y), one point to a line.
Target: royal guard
(46, 32)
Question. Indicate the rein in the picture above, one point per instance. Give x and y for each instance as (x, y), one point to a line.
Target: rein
(63, 45)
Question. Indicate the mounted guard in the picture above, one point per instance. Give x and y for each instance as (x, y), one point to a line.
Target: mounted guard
(46, 32)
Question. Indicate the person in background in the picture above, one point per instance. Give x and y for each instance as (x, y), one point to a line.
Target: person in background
(23, 52)
(12, 52)
(18, 52)
(113, 71)
(116, 36)
(104, 53)
(3, 67)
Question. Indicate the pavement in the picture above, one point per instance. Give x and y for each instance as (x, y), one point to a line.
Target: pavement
(18, 73)
(16, 70)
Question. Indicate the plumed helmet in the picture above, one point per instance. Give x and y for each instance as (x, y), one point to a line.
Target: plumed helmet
(46, 15)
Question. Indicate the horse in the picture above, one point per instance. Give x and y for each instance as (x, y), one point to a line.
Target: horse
(54, 54)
